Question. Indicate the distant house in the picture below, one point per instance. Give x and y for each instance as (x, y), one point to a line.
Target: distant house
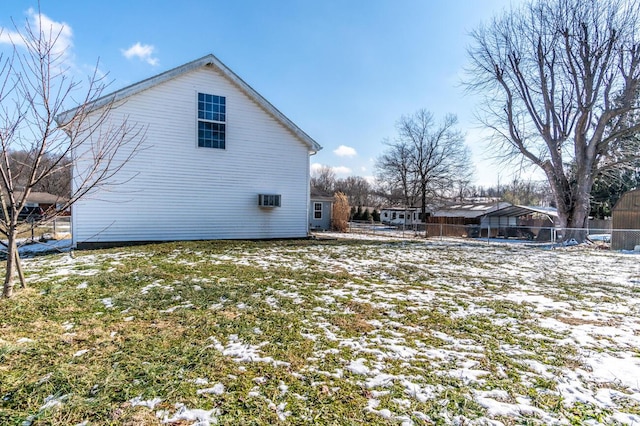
(454, 213)
(219, 162)
(320, 209)
(626, 221)
(45, 200)
(40, 205)
(399, 216)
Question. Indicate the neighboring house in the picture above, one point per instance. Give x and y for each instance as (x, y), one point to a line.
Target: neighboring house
(45, 200)
(320, 210)
(39, 204)
(218, 162)
(399, 216)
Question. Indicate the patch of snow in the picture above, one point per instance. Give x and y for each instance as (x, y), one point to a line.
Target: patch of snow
(202, 417)
(242, 352)
(217, 389)
(357, 367)
(149, 403)
(186, 305)
(53, 401)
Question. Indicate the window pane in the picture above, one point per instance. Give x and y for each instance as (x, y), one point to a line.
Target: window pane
(211, 135)
(211, 107)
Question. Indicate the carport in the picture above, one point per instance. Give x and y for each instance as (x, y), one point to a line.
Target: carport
(525, 222)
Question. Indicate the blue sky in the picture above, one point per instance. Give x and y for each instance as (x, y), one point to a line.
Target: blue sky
(343, 71)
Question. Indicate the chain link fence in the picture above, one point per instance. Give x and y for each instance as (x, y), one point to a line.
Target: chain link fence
(58, 228)
(617, 239)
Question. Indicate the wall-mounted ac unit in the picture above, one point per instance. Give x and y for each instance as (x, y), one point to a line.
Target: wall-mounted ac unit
(269, 200)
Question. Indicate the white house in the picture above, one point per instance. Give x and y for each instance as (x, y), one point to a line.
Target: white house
(400, 216)
(219, 162)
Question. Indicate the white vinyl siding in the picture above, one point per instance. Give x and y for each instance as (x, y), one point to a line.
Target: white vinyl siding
(178, 191)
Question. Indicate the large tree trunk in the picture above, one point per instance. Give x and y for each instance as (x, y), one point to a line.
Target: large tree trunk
(575, 222)
(572, 199)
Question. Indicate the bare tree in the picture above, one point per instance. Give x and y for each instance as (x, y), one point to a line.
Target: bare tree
(560, 83)
(57, 183)
(429, 159)
(35, 90)
(385, 193)
(324, 179)
(394, 172)
(356, 188)
(529, 193)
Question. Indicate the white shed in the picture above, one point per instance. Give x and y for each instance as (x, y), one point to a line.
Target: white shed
(219, 162)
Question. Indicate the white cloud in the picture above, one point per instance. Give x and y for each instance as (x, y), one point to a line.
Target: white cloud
(338, 170)
(341, 170)
(51, 30)
(345, 151)
(144, 52)
(10, 37)
(316, 166)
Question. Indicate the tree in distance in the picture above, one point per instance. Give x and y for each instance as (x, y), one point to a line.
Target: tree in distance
(427, 160)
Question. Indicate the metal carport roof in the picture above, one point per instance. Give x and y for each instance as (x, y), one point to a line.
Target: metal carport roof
(517, 211)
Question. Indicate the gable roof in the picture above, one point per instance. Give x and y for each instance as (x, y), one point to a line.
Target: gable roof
(209, 60)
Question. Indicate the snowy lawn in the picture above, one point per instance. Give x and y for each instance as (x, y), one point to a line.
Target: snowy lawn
(327, 332)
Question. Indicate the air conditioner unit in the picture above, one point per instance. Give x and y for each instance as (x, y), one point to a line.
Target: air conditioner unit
(269, 200)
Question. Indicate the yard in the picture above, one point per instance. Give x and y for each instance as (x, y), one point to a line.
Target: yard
(325, 332)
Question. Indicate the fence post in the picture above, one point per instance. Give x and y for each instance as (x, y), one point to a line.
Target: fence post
(440, 231)
(488, 233)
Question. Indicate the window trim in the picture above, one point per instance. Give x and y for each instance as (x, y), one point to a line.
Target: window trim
(316, 211)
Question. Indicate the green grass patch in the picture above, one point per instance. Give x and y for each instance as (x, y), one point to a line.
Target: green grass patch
(292, 332)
